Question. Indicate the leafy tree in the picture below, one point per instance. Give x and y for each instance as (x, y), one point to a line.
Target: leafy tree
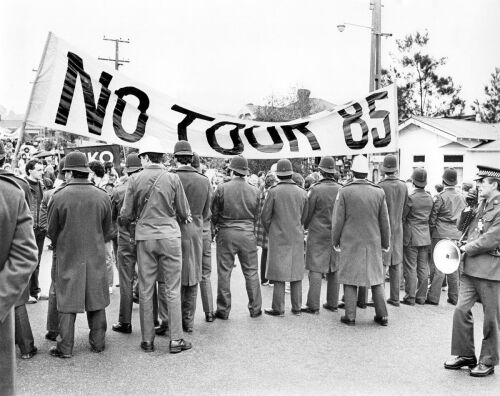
(489, 110)
(421, 90)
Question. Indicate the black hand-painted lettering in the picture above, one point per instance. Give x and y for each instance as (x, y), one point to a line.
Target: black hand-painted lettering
(234, 134)
(349, 120)
(265, 148)
(386, 140)
(95, 115)
(118, 113)
(302, 127)
(190, 117)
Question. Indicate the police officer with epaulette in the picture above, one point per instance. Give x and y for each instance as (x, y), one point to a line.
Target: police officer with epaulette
(126, 256)
(416, 240)
(360, 234)
(320, 258)
(235, 210)
(18, 259)
(79, 224)
(480, 282)
(396, 194)
(283, 217)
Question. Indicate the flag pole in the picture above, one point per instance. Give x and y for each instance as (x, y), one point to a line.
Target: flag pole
(22, 132)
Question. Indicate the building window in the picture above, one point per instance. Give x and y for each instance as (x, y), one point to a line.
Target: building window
(453, 158)
(419, 158)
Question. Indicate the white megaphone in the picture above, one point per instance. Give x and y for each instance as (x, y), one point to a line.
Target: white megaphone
(446, 256)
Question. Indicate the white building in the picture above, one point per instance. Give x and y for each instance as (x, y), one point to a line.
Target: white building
(439, 143)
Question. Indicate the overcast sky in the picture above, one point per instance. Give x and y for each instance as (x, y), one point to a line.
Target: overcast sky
(221, 54)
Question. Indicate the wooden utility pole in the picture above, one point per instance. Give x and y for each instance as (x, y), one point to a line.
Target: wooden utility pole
(118, 62)
(375, 61)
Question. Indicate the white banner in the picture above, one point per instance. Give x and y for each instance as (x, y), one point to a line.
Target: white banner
(74, 92)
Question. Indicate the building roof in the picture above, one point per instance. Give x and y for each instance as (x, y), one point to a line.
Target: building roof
(457, 129)
(491, 146)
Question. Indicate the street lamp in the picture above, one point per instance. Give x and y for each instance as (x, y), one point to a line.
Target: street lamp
(375, 60)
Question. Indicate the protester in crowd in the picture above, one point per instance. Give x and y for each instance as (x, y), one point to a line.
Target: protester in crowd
(79, 224)
(235, 210)
(34, 171)
(308, 182)
(480, 283)
(155, 200)
(320, 257)
(466, 187)
(207, 299)
(283, 216)
(127, 254)
(96, 176)
(445, 214)
(416, 240)
(396, 194)
(262, 238)
(360, 234)
(52, 314)
(48, 170)
(253, 180)
(18, 259)
(198, 193)
(298, 179)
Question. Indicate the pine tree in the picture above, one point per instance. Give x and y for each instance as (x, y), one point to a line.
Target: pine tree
(489, 110)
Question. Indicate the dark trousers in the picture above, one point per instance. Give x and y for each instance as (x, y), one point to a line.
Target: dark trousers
(34, 285)
(126, 259)
(231, 242)
(188, 304)
(207, 298)
(378, 295)
(52, 314)
(462, 338)
(24, 336)
(434, 293)
(263, 265)
(279, 296)
(314, 293)
(97, 325)
(416, 273)
(7, 355)
(394, 282)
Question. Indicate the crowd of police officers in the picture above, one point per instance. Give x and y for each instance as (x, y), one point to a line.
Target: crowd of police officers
(358, 234)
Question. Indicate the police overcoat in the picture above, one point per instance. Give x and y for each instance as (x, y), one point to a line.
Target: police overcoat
(283, 216)
(198, 193)
(361, 228)
(18, 250)
(396, 194)
(79, 223)
(320, 256)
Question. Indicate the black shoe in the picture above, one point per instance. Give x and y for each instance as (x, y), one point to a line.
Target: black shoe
(29, 355)
(297, 312)
(420, 302)
(381, 320)
(177, 346)
(220, 315)
(330, 307)
(187, 329)
(162, 329)
(272, 312)
(256, 314)
(458, 362)
(96, 350)
(135, 298)
(392, 302)
(482, 370)
(429, 302)
(361, 305)
(209, 316)
(348, 322)
(57, 353)
(341, 305)
(122, 328)
(147, 346)
(408, 302)
(450, 301)
(310, 311)
(51, 336)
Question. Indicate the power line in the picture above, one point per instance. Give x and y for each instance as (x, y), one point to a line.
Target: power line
(118, 62)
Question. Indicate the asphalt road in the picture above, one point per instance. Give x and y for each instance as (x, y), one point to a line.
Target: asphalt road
(266, 355)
